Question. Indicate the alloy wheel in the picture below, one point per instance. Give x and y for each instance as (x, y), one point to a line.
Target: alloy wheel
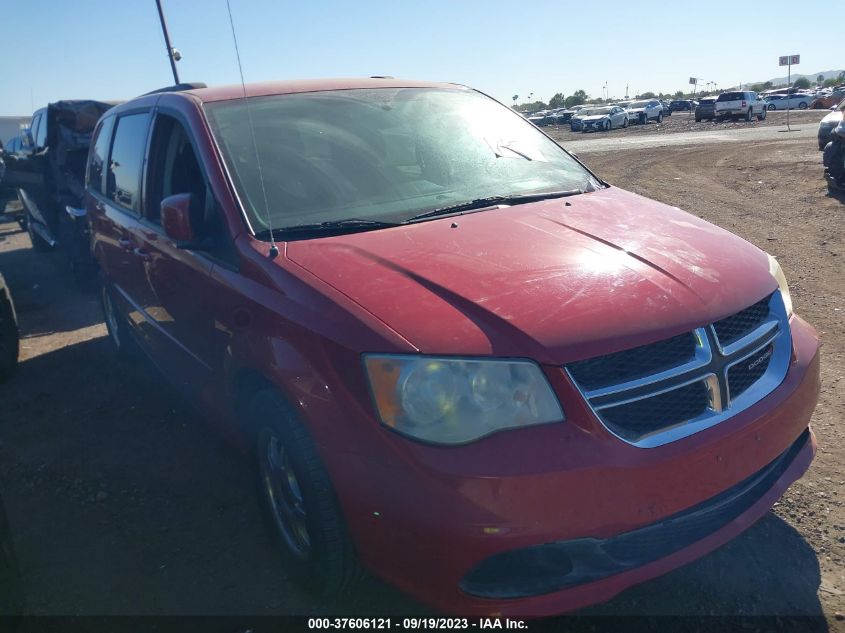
(283, 492)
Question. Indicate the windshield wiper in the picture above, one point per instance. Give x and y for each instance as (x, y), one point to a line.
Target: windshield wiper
(329, 226)
(481, 203)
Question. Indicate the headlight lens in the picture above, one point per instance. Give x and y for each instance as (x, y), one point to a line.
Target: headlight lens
(777, 273)
(455, 400)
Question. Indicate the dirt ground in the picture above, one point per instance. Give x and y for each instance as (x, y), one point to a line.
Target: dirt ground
(123, 502)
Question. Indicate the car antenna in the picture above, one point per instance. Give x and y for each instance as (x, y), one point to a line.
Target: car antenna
(274, 250)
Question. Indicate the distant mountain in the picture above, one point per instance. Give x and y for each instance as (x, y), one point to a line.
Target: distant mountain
(828, 74)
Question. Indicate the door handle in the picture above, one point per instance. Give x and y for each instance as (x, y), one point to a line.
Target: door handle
(125, 244)
(144, 255)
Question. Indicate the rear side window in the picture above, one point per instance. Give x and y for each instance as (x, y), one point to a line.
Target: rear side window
(123, 183)
(99, 154)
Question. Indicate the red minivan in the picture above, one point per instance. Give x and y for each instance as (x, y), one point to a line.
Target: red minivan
(462, 360)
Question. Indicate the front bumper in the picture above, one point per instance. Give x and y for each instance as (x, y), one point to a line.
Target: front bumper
(436, 514)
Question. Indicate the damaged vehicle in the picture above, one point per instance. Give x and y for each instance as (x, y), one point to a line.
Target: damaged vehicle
(49, 174)
(458, 357)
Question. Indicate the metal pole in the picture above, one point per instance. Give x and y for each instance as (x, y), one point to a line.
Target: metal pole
(167, 42)
(788, 97)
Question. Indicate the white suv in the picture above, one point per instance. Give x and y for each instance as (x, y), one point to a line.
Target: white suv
(645, 111)
(740, 105)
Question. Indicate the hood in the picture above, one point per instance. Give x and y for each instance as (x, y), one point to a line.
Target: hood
(557, 281)
(594, 117)
(635, 109)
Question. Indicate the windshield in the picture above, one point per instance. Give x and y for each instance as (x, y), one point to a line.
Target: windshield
(384, 154)
(639, 104)
(596, 111)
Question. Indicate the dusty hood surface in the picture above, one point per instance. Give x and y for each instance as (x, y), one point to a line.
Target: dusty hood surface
(545, 280)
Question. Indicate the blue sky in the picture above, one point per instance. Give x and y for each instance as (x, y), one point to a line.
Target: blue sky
(114, 49)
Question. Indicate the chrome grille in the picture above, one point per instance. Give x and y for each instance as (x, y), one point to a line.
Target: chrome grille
(740, 324)
(623, 366)
(658, 393)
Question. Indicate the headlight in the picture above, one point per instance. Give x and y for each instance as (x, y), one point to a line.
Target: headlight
(777, 273)
(454, 400)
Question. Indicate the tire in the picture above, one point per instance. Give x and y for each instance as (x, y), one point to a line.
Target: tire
(298, 498)
(762, 115)
(38, 243)
(802, 105)
(123, 345)
(608, 126)
(643, 119)
(9, 346)
(625, 122)
(660, 117)
(698, 119)
(771, 106)
(749, 114)
(76, 246)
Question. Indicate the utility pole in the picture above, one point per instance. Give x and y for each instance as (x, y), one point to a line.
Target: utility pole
(172, 54)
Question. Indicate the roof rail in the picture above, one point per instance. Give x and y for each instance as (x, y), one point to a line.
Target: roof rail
(178, 88)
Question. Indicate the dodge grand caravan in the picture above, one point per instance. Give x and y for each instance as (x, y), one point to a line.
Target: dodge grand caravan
(461, 359)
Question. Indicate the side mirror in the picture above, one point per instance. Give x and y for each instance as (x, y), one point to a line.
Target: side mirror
(176, 218)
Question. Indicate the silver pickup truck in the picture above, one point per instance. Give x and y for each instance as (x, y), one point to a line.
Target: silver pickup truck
(737, 105)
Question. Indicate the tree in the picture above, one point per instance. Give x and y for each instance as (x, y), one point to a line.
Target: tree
(646, 95)
(679, 94)
(820, 79)
(830, 83)
(576, 98)
(841, 77)
(767, 85)
(557, 101)
(758, 87)
(531, 107)
(515, 97)
(801, 83)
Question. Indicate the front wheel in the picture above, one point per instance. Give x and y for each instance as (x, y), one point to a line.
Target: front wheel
(298, 497)
(625, 122)
(608, 125)
(771, 106)
(762, 115)
(660, 117)
(643, 119)
(802, 105)
(698, 119)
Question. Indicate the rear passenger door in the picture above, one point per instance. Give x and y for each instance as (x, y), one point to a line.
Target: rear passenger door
(114, 184)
